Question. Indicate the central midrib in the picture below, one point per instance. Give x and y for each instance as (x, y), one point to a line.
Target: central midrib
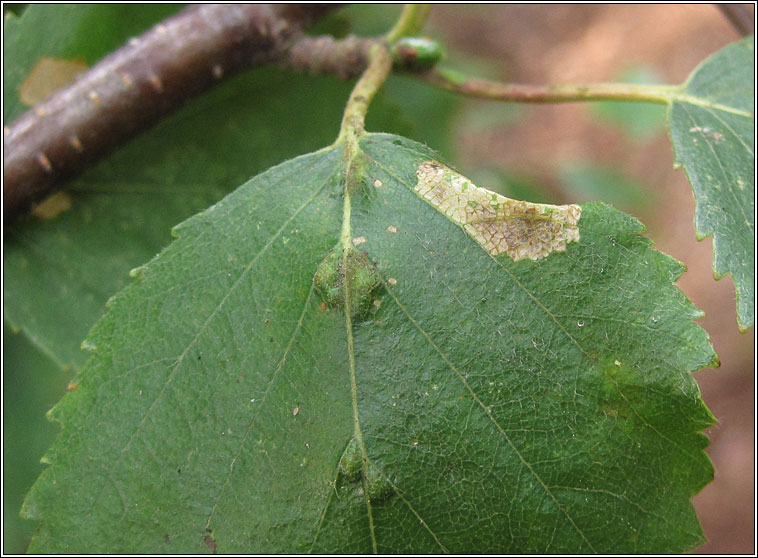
(345, 245)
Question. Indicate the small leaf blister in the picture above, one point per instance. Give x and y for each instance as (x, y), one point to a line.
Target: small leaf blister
(347, 268)
(376, 485)
(351, 462)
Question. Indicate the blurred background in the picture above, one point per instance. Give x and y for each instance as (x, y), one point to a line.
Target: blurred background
(620, 154)
(574, 152)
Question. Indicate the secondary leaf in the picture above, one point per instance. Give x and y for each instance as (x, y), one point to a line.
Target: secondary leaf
(59, 272)
(471, 403)
(588, 181)
(638, 121)
(78, 32)
(711, 126)
(32, 383)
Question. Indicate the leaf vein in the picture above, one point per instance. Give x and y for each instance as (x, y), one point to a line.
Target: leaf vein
(724, 173)
(218, 307)
(249, 428)
(487, 411)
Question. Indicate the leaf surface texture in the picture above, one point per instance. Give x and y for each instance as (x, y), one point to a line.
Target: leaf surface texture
(474, 404)
(712, 129)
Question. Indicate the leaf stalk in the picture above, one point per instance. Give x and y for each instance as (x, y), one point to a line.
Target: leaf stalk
(353, 120)
(411, 21)
(456, 82)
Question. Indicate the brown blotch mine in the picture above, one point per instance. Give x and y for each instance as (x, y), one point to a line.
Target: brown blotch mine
(47, 76)
(520, 229)
(53, 205)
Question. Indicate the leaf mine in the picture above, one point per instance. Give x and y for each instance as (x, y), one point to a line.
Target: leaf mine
(520, 229)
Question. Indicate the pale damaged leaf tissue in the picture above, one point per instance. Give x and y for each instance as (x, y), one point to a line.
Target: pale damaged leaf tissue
(520, 229)
(255, 390)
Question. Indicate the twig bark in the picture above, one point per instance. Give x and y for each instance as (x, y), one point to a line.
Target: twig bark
(136, 86)
(739, 16)
(157, 72)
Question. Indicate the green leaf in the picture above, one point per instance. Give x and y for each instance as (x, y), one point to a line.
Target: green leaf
(32, 383)
(638, 121)
(70, 31)
(60, 272)
(587, 181)
(190, 161)
(711, 126)
(251, 392)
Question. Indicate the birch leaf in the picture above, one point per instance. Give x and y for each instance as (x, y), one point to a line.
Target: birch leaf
(712, 128)
(406, 376)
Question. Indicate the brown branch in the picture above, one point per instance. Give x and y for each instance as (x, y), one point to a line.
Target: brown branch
(739, 16)
(155, 73)
(134, 87)
(346, 57)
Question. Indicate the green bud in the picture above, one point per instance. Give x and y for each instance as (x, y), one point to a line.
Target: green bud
(416, 53)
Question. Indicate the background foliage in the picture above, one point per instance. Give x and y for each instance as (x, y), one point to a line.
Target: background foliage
(390, 114)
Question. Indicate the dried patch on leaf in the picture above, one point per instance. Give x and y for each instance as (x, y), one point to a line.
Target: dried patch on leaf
(210, 542)
(520, 229)
(53, 205)
(47, 77)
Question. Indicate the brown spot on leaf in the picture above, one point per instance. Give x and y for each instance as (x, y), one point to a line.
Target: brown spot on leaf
(53, 205)
(210, 542)
(499, 224)
(47, 76)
